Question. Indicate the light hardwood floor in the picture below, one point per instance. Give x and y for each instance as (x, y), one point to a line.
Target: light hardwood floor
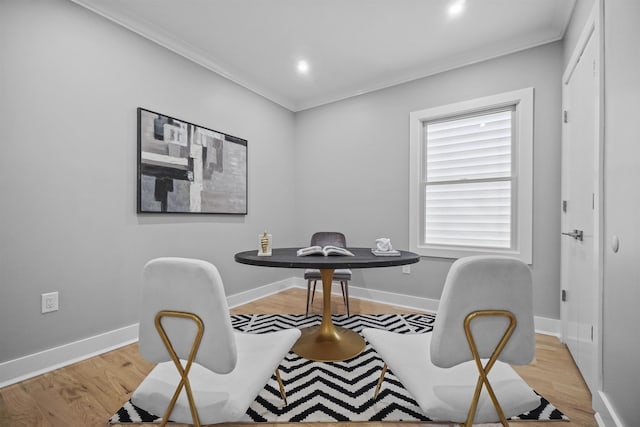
(89, 392)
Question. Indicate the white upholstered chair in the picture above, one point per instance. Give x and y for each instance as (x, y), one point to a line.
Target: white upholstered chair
(206, 372)
(460, 372)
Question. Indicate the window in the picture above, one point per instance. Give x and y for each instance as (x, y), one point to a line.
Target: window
(471, 177)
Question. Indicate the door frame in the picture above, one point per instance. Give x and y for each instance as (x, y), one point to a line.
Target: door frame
(593, 28)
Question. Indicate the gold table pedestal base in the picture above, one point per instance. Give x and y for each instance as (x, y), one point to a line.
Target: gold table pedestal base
(327, 342)
(331, 344)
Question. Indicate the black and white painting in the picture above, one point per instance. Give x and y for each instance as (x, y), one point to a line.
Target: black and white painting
(185, 168)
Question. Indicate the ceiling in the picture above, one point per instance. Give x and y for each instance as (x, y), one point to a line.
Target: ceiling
(352, 46)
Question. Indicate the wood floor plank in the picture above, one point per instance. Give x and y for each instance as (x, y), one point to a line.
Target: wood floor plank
(87, 393)
(21, 409)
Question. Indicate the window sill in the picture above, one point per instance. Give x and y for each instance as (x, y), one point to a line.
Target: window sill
(461, 252)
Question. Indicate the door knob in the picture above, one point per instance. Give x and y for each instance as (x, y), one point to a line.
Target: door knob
(576, 234)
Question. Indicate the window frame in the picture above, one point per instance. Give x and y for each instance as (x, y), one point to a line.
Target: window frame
(522, 178)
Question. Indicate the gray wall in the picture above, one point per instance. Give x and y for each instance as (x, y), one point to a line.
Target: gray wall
(579, 16)
(621, 374)
(352, 167)
(70, 82)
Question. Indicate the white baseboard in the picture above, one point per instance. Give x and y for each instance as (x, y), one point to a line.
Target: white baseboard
(547, 326)
(381, 297)
(605, 414)
(599, 420)
(543, 325)
(29, 366)
(384, 297)
(263, 291)
(14, 371)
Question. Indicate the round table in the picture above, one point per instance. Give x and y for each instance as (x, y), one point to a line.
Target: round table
(326, 342)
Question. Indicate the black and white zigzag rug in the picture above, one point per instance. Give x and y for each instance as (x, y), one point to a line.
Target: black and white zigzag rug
(334, 391)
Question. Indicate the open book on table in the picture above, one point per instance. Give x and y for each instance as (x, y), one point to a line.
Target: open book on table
(323, 250)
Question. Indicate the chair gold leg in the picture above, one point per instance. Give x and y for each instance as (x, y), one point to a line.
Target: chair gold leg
(172, 403)
(384, 371)
(483, 371)
(184, 382)
(474, 404)
(282, 391)
(183, 371)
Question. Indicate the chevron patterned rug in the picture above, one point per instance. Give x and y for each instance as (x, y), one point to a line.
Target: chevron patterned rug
(334, 391)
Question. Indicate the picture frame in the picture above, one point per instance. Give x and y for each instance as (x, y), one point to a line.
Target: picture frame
(185, 168)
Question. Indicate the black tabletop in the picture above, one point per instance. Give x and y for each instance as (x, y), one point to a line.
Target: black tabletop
(287, 258)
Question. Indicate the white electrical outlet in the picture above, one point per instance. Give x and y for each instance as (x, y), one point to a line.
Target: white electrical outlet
(406, 269)
(49, 302)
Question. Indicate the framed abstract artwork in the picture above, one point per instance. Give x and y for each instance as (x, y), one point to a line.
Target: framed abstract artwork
(186, 168)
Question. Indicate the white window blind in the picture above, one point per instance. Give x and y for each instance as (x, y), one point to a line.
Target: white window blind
(467, 178)
(471, 177)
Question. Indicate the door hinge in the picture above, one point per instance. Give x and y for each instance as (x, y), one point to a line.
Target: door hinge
(565, 116)
(592, 333)
(564, 206)
(564, 295)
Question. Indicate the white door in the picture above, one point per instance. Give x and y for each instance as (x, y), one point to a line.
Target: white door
(580, 210)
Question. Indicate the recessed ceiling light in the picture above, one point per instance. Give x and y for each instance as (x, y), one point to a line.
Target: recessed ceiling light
(456, 7)
(302, 66)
